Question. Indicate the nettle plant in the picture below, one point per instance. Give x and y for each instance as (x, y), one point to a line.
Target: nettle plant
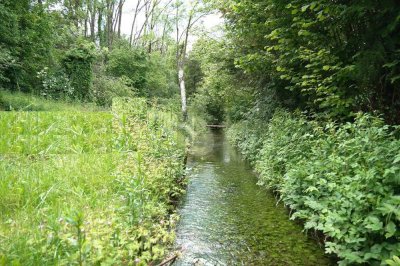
(345, 184)
(342, 180)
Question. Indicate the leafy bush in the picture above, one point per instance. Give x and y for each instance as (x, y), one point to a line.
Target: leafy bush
(7, 63)
(342, 180)
(78, 66)
(304, 51)
(106, 88)
(247, 138)
(55, 86)
(125, 61)
(161, 79)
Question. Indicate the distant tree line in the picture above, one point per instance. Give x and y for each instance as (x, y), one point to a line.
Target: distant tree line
(76, 48)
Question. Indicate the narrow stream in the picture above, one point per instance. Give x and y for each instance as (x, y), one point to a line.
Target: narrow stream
(226, 219)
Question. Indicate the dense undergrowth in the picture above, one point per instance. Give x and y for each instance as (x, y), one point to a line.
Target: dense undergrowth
(342, 180)
(17, 101)
(89, 188)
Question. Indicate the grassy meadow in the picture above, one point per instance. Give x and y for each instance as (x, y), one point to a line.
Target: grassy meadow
(84, 187)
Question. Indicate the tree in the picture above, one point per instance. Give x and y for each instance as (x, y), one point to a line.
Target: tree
(130, 63)
(331, 58)
(185, 19)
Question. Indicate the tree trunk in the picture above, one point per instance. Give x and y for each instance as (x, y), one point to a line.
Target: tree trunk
(92, 20)
(86, 23)
(163, 35)
(109, 27)
(121, 4)
(137, 10)
(181, 75)
(99, 29)
(181, 57)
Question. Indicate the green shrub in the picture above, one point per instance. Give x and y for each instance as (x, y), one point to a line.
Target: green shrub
(106, 88)
(342, 180)
(161, 79)
(55, 85)
(247, 137)
(7, 63)
(78, 66)
(130, 63)
(284, 143)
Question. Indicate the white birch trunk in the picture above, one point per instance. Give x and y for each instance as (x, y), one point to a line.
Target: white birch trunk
(181, 75)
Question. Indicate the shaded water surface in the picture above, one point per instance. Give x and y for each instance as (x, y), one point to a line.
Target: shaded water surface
(226, 219)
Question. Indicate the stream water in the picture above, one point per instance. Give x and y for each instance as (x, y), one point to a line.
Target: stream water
(226, 219)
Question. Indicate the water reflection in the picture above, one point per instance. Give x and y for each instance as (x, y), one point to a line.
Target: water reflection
(226, 219)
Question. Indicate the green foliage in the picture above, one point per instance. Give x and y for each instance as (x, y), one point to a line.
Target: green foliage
(219, 96)
(161, 79)
(105, 89)
(332, 58)
(193, 76)
(131, 63)
(89, 188)
(44, 50)
(27, 37)
(151, 75)
(341, 180)
(55, 85)
(7, 65)
(247, 138)
(28, 102)
(77, 63)
(393, 262)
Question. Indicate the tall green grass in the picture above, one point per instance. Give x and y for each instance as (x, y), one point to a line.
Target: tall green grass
(83, 188)
(16, 101)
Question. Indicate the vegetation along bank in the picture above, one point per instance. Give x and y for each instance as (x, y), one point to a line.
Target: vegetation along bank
(308, 89)
(89, 187)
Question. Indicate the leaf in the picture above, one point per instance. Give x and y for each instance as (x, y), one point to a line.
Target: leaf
(397, 158)
(304, 33)
(326, 68)
(304, 8)
(394, 79)
(392, 64)
(395, 261)
(374, 223)
(313, 5)
(390, 229)
(280, 69)
(311, 189)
